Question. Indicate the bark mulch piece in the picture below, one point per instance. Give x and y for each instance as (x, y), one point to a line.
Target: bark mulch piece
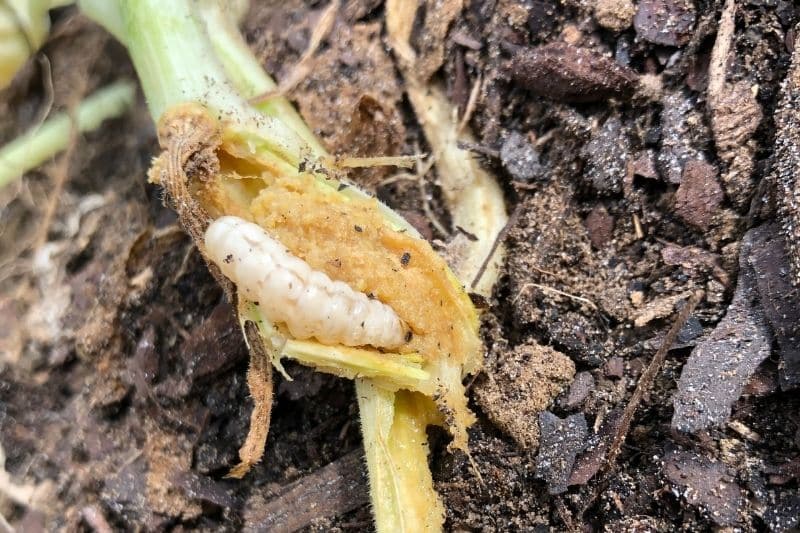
(720, 365)
(561, 441)
(705, 484)
(779, 299)
(667, 22)
(330, 491)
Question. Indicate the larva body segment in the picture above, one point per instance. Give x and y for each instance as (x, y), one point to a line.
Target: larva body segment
(289, 291)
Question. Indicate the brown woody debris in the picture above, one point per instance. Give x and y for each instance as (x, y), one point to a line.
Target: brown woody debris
(214, 345)
(607, 442)
(571, 74)
(693, 259)
(579, 390)
(787, 157)
(699, 196)
(764, 382)
(522, 386)
(705, 484)
(334, 489)
(720, 366)
(734, 113)
(615, 367)
(645, 165)
(203, 488)
(735, 116)
(667, 22)
(607, 154)
(779, 299)
(658, 308)
(681, 122)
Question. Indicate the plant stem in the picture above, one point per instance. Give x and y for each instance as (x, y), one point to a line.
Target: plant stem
(246, 72)
(190, 52)
(393, 425)
(176, 63)
(38, 145)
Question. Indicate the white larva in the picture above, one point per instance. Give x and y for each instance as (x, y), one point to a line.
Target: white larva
(289, 291)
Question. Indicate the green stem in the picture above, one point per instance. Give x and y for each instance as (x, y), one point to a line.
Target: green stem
(250, 80)
(177, 64)
(393, 425)
(40, 144)
(246, 72)
(107, 12)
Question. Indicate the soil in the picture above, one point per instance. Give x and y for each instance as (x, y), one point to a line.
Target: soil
(640, 173)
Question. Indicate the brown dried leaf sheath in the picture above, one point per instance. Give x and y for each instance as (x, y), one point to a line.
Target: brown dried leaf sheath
(189, 140)
(259, 381)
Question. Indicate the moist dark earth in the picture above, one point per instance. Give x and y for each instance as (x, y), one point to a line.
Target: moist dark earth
(643, 352)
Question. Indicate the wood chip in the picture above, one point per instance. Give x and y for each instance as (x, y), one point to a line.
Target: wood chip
(699, 196)
(787, 157)
(332, 490)
(779, 299)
